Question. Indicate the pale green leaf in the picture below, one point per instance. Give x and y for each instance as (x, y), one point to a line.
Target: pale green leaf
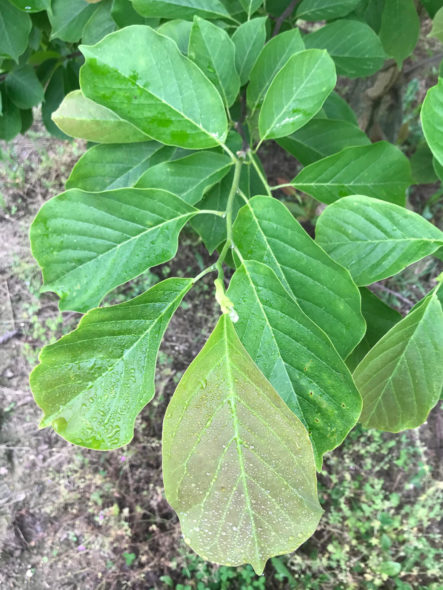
(266, 231)
(437, 26)
(272, 58)
(432, 120)
(169, 9)
(375, 239)
(69, 18)
(105, 167)
(251, 6)
(24, 88)
(378, 170)
(321, 138)
(189, 177)
(400, 29)
(238, 465)
(355, 48)
(312, 10)
(187, 111)
(99, 24)
(15, 27)
(79, 116)
(211, 48)
(248, 39)
(92, 384)
(179, 31)
(401, 377)
(296, 93)
(89, 243)
(295, 355)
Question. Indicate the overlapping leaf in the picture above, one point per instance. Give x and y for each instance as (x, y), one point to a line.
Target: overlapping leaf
(400, 29)
(68, 19)
(295, 355)
(248, 39)
(187, 111)
(374, 239)
(24, 88)
(93, 382)
(378, 170)
(432, 120)
(15, 27)
(312, 10)
(169, 9)
(238, 465)
(266, 231)
(88, 243)
(401, 378)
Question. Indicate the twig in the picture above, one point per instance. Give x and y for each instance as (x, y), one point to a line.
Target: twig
(424, 62)
(8, 336)
(394, 293)
(284, 15)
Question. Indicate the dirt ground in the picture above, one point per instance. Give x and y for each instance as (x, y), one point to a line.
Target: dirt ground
(71, 518)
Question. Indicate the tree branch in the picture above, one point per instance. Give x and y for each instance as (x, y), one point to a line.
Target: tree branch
(284, 15)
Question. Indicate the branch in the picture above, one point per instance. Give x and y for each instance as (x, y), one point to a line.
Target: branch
(284, 15)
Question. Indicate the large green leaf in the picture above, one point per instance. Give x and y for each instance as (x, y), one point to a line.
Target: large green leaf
(211, 48)
(94, 382)
(105, 167)
(296, 93)
(238, 466)
(88, 243)
(321, 138)
(99, 24)
(248, 39)
(15, 27)
(379, 319)
(272, 58)
(295, 355)
(374, 239)
(181, 8)
(432, 119)
(187, 111)
(355, 48)
(69, 18)
(79, 116)
(401, 378)
(189, 177)
(400, 29)
(378, 170)
(24, 88)
(312, 10)
(267, 232)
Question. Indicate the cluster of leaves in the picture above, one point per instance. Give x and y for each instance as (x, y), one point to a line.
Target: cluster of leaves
(179, 106)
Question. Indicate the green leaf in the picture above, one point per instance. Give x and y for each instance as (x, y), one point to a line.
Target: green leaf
(105, 167)
(89, 243)
(379, 319)
(251, 6)
(272, 58)
(189, 177)
(69, 18)
(297, 93)
(54, 94)
(401, 378)
(321, 138)
(266, 231)
(238, 466)
(179, 31)
(92, 384)
(27, 120)
(187, 111)
(295, 355)
(432, 119)
(335, 107)
(79, 116)
(169, 9)
(32, 5)
(374, 239)
(422, 165)
(15, 27)
(312, 10)
(248, 39)
(10, 120)
(379, 170)
(211, 48)
(124, 15)
(99, 24)
(432, 6)
(437, 26)
(355, 48)
(400, 29)
(24, 88)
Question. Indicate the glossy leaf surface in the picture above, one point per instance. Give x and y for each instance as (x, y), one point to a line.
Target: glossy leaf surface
(266, 231)
(296, 93)
(378, 170)
(374, 239)
(93, 382)
(312, 10)
(238, 465)
(432, 120)
(181, 8)
(88, 243)
(248, 39)
(187, 111)
(295, 355)
(401, 378)
(79, 116)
